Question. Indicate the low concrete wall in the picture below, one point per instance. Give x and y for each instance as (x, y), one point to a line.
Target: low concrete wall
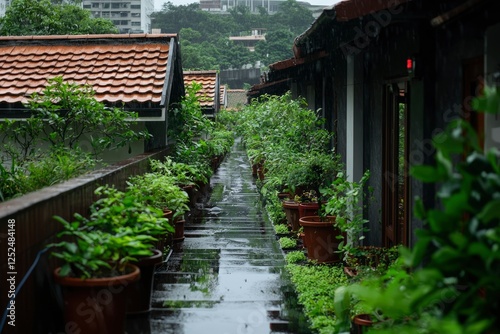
(37, 304)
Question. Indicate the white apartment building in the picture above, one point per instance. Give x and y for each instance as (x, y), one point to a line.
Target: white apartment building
(271, 6)
(129, 16)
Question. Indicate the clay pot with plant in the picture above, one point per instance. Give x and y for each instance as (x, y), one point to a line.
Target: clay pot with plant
(116, 209)
(346, 200)
(97, 272)
(339, 223)
(161, 191)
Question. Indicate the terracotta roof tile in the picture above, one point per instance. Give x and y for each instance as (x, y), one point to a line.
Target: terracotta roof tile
(209, 81)
(120, 68)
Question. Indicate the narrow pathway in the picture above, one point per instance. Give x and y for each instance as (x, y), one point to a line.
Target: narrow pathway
(226, 276)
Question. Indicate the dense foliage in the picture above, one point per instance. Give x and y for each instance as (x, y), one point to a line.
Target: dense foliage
(42, 17)
(453, 284)
(46, 148)
(205, 40)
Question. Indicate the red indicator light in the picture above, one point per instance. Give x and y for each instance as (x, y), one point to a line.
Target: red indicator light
(409, 64)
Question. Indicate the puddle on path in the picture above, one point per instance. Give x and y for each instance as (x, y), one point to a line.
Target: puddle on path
(227, 276)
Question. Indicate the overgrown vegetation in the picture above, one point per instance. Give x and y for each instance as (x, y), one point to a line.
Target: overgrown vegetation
(315, 285)
(46, 148)
(448, 282)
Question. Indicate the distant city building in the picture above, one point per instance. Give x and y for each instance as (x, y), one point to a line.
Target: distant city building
(271, 6)
(249, 41)
(129, 16)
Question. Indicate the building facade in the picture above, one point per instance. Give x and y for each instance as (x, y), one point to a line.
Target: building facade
(129, 16)
(271, 6)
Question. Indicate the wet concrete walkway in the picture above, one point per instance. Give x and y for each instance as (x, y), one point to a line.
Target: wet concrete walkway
(226, 276)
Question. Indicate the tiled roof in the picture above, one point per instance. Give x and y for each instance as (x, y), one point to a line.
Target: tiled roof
(120, 68)
(209, 81)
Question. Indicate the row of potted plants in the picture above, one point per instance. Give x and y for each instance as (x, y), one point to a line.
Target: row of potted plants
(100, 257)
(448, 281)
(316, 283)
(303, 176)
(113, 249)
(315, 209)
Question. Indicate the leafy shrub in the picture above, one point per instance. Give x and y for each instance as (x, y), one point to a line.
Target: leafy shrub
(295, 257)
(281, 229)
(287, 242)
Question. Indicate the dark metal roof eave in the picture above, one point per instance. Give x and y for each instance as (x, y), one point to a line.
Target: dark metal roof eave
(169, 77)
(327, 14)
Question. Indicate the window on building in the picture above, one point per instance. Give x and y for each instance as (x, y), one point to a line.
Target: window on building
(124, 14)
(95, 5)
(116, 22)
(124, 22)
(87, 6)
(135, 6)
(136, 14)
(135, 24)
(105, 14)
(115, 5)
(105, 5)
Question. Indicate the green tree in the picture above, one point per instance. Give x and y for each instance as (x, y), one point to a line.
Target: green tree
(41, 17)
(294, 16)
(195, 57)
(70, 111)
(190, 36)
(276, 47)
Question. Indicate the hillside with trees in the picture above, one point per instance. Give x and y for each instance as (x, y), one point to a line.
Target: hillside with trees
(43, 17)
(204, 36)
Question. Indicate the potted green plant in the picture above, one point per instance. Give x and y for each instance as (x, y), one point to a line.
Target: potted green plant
(95, 273)
(309, 203)
(338, 223)
(162, 192)
(345, 203)
(311, 171)
(117, 209)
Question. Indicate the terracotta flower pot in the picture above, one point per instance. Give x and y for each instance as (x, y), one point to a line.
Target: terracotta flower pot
(292, 214)
(308, 209)
(139, 292)
(179, 230)
(361, 322)
(321, 239)
(96, 305)
(166, 240)
(254, 170)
